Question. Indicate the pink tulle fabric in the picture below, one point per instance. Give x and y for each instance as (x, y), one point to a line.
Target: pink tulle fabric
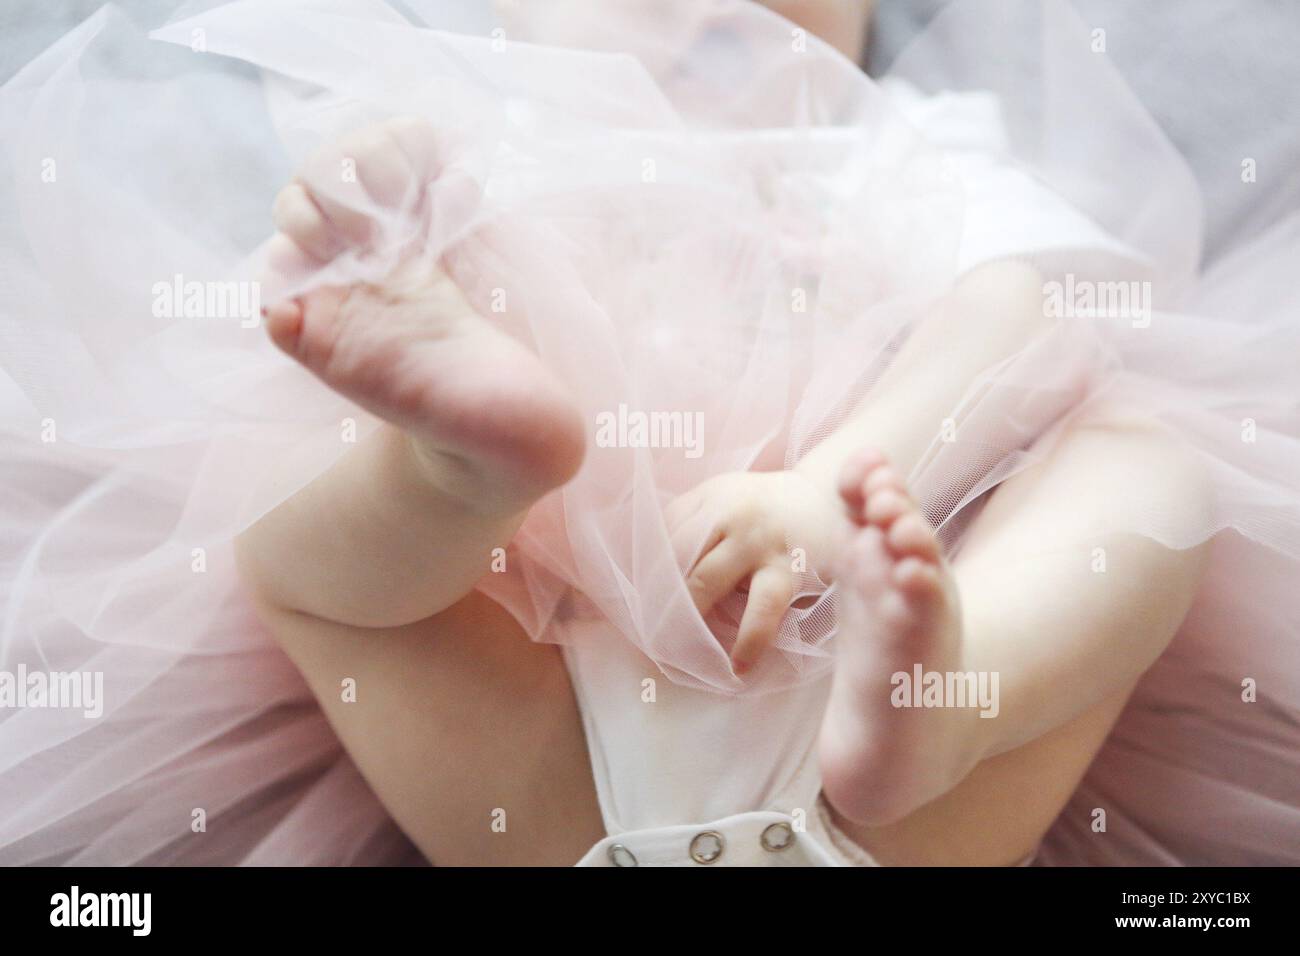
(682, 207)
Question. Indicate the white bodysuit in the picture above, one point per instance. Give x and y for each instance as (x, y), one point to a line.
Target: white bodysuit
(687, 777)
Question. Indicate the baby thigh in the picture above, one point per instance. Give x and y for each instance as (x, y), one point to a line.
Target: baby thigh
(467, 731)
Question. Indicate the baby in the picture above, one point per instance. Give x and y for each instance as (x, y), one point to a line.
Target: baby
(966, 424)
(370, 571)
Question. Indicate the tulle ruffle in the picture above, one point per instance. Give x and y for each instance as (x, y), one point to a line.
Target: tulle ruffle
(712, 215)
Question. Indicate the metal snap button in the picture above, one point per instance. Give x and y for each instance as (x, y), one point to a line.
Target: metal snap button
(778, 837)
(620, 855)
(706, 847)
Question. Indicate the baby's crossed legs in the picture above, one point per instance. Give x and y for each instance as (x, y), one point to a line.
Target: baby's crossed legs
(469, 733)
(460, 716)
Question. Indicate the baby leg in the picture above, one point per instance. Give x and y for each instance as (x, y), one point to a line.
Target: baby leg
(467, 731)
(478, 429)
(992, 315)
(1065, 612)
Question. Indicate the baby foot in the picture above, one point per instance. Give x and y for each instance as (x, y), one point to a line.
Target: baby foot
(898, 609)
(412, 349)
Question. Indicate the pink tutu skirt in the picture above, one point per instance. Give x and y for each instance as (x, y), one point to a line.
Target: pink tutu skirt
(716, 230)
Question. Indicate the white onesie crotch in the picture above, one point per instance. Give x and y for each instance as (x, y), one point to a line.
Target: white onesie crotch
(688, 777)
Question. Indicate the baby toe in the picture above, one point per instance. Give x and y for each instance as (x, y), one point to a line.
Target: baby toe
(284, 324)
(301, 220)
(318, 332)
(887, 506)
(882, 477)
(381, 164)
(854, 474)
(910, 536)
(420, 144)
(917, 579)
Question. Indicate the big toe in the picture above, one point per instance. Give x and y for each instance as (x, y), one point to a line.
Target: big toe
(284, 324)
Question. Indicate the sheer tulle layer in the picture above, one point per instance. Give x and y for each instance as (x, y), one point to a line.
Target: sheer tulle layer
(718, 221)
